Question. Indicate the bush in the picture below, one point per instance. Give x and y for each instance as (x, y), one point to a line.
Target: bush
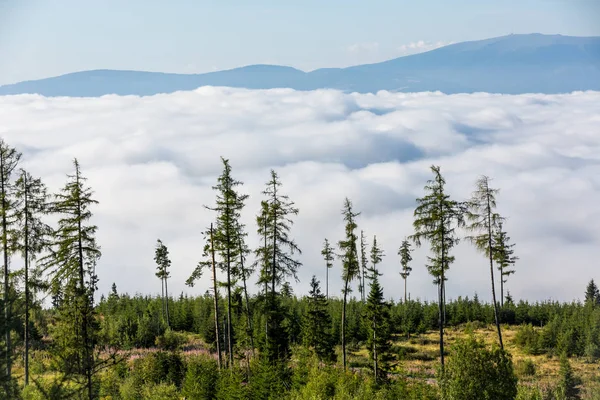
(528, 339)
(529, 393)
(474, 372)
(525, 367)
(201, 378)
(170, 340)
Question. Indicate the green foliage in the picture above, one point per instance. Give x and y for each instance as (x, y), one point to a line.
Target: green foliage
(525, 367)
(528, 339)
(170, 340)
(592, 294)
(317, 324)
(201, 377)
(475, 372)
(568, 385)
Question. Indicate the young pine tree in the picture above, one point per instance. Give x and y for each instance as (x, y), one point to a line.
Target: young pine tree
(229, 204)
(504, 257)
(405, 259)
(350, 264)
(30, 237)
(568, 384)
(72, 266)
(328, 256)
(161, 257)
(436, 218)
(377, 318)
(9, 159)
(483, 222)
(317, 324)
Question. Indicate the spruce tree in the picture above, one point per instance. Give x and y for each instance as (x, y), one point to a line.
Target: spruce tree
(276, 221)
(362, 287)
(245, 270)
(72, 266)
(378, 318)
(483, 222)
(504, 257)
(328, 256)
(317, 324)
(161, 257)
(9, 159)
(592, 294)
(228, 206)
(568, 384)
(30, 237)
(405, 259)
(350, 264)
(436, 218)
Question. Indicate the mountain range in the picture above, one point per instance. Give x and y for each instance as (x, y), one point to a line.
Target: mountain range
(513, 64)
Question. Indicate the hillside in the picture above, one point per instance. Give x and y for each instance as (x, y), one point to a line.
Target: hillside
(510, 64)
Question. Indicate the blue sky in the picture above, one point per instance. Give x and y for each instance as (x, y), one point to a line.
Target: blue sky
(47, 38)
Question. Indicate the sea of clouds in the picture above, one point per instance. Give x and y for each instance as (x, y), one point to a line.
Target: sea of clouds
(153, 160)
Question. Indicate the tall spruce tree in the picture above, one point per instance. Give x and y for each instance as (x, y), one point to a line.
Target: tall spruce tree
(245, 270)
(436, 219)
(328, 256)
(364, 264)
(29, 238)
(378, 318)
(277, 222)
(72, 266)
(504, 257)
(9, 159)
(317, 324)
(228, 206)
(405, 259)
(350, 264)
(163, 263)
(483, 222)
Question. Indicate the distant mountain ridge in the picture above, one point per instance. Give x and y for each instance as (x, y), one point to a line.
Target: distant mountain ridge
(513, 64)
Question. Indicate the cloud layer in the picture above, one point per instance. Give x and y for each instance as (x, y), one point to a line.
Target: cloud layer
(152, 161)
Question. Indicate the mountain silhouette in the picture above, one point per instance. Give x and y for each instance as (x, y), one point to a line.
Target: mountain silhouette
(513, 64)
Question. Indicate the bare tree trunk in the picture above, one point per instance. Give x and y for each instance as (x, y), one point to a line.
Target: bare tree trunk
(216, 298)
(344, 323)
(489, 216)
(375, 350)
(167, 301)
(327, 281)
(7, 316)
(229, 337)
(26, 256)
(501, 286)
(248, 316)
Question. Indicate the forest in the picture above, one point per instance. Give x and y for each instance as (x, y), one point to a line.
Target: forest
(251, 336)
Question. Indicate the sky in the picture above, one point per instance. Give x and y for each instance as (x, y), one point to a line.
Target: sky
(151, 162)
(40, 38)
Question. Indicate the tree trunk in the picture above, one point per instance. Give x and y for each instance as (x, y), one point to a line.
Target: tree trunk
(229, 338)
(85, 296)
(7, 316)
(489, 217)
(216, 298)
(162, 297)
(344, 323)
(26, 256)
(405, 291)
(248, 317)
(501, 286)
(327, 281)
(375, 350)
(167, 300)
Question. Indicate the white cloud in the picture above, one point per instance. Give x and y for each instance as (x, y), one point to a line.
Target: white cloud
(420, 46)
(152, 160)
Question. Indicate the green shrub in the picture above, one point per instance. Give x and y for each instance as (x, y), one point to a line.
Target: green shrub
(528, 339)
(170, 340)
(162, 391)
(474, 372)
(201, 377)
(525, 367)
(528, 393)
